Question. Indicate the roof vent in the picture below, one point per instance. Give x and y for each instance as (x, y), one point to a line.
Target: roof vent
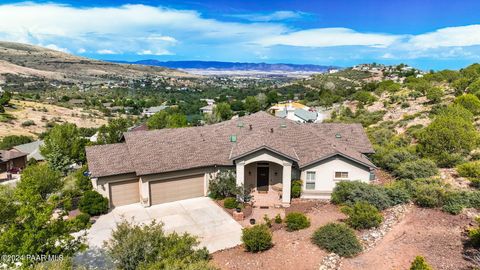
(271, 130)
(250, 126)
(233, 138)
(338, 136)
(240, 124)
(283, 125)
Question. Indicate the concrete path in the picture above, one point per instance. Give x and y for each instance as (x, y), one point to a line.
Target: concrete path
(215, 229)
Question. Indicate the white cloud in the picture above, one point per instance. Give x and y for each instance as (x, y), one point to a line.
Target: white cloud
(275, 16)
(459, 36)
(81, 50)
(55, 47)
(157, 52)
(329, 37)
(105, 51)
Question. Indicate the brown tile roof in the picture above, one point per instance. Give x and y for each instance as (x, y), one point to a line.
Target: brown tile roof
(109, 159)
(148, 152)
(6, 155)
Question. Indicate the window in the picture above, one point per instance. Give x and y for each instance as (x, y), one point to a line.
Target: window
(310, 183)
(341, 175)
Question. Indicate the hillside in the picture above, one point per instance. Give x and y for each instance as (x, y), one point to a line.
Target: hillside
(21, 60)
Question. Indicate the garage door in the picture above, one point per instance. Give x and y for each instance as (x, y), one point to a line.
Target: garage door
(125, 192)
(176, 189)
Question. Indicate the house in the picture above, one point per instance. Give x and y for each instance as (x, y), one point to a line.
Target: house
(207, 109)
(158, 166)
(32, 149)
(153, 110)
(295, 111)
(12, 159)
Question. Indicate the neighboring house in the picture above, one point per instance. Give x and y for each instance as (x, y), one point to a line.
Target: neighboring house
(210, 105)
(12, 159)
(295, 111)
(158, 166)
(207, 109)
(153, 110)
(32, 149)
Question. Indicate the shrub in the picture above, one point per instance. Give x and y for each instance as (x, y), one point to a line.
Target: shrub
(257, 238)
(435, 94)
(230, 203)
(81, 181)
(420, 264)
(149, 247)
(267, 220)
(362, 215)
(349, 192)
(469, 169)
(455, 201)
(296, 190)
(28, 123)
(338, 238)
(278, 219)
(474, 199)
(80, 222)
(421, 168)
(93, 203)
(469, 102)
(397, 193)
(428, 192)
(296, 221)
(223, 185)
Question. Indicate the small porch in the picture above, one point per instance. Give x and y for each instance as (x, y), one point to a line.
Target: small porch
(268, 176)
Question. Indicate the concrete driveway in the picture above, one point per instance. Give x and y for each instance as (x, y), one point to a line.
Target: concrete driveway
(215, 229)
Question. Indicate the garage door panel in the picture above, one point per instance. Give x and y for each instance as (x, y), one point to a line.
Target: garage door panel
(177, 189)
(125, 192)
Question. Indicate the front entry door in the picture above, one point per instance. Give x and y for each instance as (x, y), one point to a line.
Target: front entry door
(262, 178)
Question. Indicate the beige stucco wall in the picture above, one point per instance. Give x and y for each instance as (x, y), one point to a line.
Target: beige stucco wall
(325, 173)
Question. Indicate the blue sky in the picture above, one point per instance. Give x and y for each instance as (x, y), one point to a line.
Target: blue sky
(426, 34)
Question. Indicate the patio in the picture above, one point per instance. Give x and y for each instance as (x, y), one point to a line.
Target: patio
(265, 203)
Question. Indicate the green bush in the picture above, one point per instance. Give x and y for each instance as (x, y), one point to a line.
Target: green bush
(428, 193)
(362, 215)
(296, 190)
(257, 238)
(230, 203)
(398, 193)
(81, 181)
(455, 201)
(420, 264)
(223, 185)
(474, 199)
(469, 102)
(338, 238)
(349, 192)
(469, 169)
(421, 168)
(278, 219)
(134, 247)
(80, 222)
(296, 221)
(93, 203)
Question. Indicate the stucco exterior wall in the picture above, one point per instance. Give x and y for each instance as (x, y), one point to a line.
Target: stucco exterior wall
(275, 174)
(325, 175)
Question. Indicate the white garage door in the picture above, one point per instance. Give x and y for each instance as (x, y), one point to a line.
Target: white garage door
(125, 192)
(177, 189)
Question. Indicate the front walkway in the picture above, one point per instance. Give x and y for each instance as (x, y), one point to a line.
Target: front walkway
(215, 229)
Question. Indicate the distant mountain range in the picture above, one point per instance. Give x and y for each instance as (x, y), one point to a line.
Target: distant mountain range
(232, 66)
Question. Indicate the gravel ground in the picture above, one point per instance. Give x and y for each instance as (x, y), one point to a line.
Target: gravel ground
(291, 250)
(431, 233)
